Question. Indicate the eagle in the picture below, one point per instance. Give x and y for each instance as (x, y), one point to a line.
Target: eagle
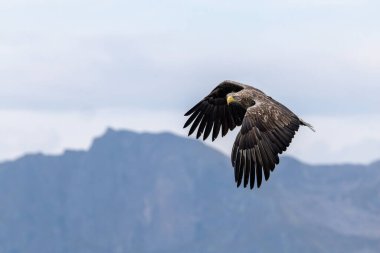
(267, 128)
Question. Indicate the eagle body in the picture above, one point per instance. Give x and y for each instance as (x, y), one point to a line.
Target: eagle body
(267, 128)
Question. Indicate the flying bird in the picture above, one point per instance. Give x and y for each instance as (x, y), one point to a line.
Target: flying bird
(267, 128)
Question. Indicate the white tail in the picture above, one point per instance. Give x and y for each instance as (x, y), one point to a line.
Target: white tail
(304, 123)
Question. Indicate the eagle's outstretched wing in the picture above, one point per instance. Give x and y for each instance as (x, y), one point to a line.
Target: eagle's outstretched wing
(267, 130)
(213, 113)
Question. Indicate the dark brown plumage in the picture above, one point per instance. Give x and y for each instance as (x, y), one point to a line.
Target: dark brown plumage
(267, 128)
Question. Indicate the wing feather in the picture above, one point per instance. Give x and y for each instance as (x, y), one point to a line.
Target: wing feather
(267, 130)
(204, 121)
(217, 122)
(224, 121)
(247, 166)
(213, 113)
(253, 168)
(196, 123)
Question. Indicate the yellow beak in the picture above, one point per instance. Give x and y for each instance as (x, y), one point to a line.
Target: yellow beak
(230, 100)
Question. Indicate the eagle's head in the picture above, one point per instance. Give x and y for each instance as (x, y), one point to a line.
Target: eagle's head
(236, 99)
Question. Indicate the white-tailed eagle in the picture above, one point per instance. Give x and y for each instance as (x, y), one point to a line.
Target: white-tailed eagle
(267, 128)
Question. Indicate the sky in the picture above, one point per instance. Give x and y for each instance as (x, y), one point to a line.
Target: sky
(70, 69)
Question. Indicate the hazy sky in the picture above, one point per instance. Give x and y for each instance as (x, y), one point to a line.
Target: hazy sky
(69, 69)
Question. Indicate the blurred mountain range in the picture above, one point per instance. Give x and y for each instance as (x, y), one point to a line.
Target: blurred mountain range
(135, 192)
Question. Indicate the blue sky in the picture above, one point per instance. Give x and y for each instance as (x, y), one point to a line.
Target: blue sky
(69, 69)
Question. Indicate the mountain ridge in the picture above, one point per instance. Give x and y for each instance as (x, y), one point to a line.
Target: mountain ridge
(111, 130)
(143, 192)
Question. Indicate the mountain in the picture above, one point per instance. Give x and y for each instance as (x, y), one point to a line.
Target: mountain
(135, 192)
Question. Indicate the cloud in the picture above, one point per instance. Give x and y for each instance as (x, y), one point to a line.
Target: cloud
(339, 139)
(313, 3)
(120, 71)
(52, 132)
(71, 59)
